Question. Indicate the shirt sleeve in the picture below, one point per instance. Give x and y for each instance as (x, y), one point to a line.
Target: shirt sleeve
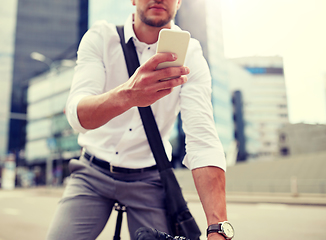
(89, 76)
(203, 146)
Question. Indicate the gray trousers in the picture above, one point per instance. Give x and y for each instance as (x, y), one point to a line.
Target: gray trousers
(90, 195)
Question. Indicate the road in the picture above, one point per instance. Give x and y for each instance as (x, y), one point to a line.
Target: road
(26, 215)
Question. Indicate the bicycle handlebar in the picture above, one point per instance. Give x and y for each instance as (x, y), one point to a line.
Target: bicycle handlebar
(145, 233)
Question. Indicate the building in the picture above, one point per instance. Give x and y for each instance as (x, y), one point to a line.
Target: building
(264, 102)
(51, 28)
(50, 141)
(301, 138)
(35, 36)
(203, 20)
(246, 131)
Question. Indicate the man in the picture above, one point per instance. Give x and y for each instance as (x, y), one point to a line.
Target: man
(102, 106)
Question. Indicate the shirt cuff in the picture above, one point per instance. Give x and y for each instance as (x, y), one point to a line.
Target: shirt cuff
(204, 159)
(72, 116)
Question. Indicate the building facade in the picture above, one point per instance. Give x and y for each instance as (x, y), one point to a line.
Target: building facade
(246, 131)
(264, 102)
(52, 29)
(50, 141)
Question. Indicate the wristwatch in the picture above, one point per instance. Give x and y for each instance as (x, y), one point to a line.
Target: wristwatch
(224, 228)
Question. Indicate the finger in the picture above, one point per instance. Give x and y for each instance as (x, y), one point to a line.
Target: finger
(160, 58)
(169, 84)
(165, 74)
(172, 72)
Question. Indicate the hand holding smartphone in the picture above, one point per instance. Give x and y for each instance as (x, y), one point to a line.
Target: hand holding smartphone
(175, 42)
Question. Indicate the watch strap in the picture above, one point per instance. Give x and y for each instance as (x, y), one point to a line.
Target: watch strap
(214, 228)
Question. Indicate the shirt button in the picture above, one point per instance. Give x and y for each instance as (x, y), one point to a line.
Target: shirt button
(149, 48)
(130, 129)
(116, 153)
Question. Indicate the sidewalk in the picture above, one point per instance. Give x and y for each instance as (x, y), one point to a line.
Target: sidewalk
(191, 196)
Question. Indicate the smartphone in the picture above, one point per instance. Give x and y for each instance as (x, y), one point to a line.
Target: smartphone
(175, 42)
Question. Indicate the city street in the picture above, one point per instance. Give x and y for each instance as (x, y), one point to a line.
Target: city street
(25, 214)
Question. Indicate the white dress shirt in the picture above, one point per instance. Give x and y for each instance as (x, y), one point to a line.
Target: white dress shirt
(122, 141)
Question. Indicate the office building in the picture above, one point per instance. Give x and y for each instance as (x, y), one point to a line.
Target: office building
(264, 102)
(246, 131)
(53, 29)
(203, 20)
(51, 142)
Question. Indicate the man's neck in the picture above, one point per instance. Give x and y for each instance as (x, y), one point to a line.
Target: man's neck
(146, 33)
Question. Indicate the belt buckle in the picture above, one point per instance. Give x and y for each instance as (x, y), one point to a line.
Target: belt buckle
(111, 169)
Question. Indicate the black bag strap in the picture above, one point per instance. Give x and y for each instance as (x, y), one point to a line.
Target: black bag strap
(146, 113)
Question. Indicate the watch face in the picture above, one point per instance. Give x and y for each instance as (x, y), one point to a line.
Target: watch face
(228, 230)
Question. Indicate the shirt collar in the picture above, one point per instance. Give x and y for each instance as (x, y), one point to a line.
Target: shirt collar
(128, 28)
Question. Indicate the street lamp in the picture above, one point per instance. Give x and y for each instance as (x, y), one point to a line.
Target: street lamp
(41, 58)
(52, 63)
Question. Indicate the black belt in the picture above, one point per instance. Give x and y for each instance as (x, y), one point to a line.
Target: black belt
(107, 166)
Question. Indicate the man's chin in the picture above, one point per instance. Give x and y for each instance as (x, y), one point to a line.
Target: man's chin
(156, 22)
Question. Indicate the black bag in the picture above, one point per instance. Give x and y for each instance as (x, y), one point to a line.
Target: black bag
(180, 220)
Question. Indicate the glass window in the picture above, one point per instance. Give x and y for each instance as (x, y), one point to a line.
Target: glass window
(60, 123)
(68, 143)
(39, 129)
(37, 150)
(39, 90)
(47, 107)
(46, 86)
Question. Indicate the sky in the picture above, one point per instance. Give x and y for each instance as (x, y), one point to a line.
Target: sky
(293, 29)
